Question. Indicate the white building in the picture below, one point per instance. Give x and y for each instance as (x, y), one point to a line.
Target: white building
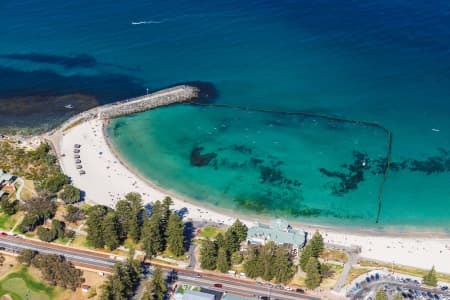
(280, 232)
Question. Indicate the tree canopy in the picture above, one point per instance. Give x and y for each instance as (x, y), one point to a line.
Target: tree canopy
(269, 262)
(123, 282)
(430, 278)
(70, 194)
(175, 235)
(208, 255)
(313, 277)
(57, 271)
(158, 287)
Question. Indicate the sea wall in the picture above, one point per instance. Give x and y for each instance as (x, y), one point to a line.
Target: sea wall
(165, 97)
(176, 94)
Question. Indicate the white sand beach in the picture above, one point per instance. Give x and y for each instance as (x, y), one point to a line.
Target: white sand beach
(107, 180)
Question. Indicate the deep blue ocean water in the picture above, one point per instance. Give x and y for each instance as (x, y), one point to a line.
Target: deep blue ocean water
(384, 61)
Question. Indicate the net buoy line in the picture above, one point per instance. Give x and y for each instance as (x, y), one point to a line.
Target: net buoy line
(327, 117)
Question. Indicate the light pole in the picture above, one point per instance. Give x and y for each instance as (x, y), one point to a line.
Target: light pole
(147, 90)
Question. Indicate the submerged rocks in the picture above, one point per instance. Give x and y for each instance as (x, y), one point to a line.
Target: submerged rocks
(348, 180)
(198, 159)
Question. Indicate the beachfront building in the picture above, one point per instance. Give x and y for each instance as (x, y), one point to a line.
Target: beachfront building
(195, 295)
(280, 232)
(5, 178)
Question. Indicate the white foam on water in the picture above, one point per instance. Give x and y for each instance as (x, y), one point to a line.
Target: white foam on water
(147, 22)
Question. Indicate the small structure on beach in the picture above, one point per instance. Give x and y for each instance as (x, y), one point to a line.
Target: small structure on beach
(85, 288)
(5, 178)
(280, 232)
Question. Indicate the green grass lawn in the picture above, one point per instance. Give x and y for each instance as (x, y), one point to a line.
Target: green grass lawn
(61, 240)
(334, 255)
(7, 222)
(168, 254)
(210, 232)
(21, 286)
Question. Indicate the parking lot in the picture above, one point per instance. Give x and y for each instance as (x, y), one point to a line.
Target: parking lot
(409, 288)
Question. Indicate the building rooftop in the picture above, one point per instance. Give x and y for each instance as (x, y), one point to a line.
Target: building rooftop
(194, 295)
(234, 297)
(4, 176)
(278, 231)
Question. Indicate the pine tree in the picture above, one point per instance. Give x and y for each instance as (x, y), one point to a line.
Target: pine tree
(305, 256)
(137, 210)
(124, 214)
(220, 241)
(317, 245)
(283, 266)
(175, 235)
(159, 284)
(312, 273)
(152, 239)
(381, 295)
(240, 229)
(430, 278)
(165, 213)
(223, 264)
(208, 255)
(111, 231)
(236, 258)
(149, 292)
(232, 241)
(267, 256)
(94, 222)
(252, 266)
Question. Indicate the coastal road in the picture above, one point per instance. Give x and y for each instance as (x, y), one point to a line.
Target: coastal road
(240, 288)
(98, 261)
(231, 285)
(103, 262)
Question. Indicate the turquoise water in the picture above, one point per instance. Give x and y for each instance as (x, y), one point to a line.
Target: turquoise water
(379, 60)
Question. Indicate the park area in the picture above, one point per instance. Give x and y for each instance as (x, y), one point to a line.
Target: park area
(21, 284)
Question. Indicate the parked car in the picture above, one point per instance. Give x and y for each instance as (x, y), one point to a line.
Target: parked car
(218, 285)
(302, 291)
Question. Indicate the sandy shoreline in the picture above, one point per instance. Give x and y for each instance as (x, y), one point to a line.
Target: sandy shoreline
(109, 177)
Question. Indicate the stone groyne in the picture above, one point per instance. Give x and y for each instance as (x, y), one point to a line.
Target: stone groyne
(173, 95)
(165, 97)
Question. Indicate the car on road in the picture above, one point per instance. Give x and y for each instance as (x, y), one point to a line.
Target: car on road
(302, 291)
(444, 288)
(218, 285)
(3, 233)
(288, 288)
(198, 275)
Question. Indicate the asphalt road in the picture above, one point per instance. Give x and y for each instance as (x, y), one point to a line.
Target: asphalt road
(102, 261)
(18, 244)
(239, 286)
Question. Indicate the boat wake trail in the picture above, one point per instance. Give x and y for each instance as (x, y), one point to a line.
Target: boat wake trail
(147, 22)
